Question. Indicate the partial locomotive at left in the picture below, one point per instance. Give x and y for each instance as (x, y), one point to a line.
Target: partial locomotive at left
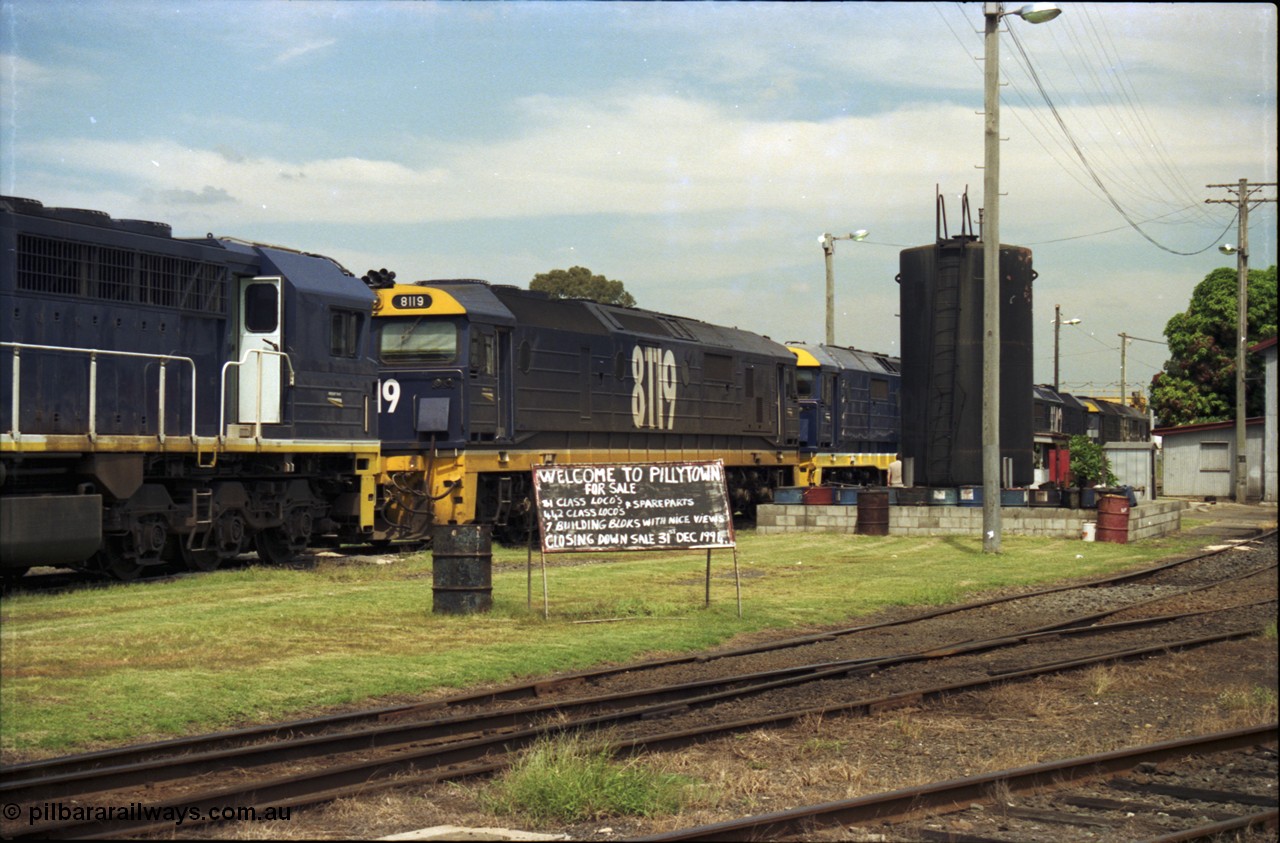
(173, 400)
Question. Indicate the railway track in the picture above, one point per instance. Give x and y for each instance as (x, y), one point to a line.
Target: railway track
(476, 734)
(1188, 789)
(1179, 577)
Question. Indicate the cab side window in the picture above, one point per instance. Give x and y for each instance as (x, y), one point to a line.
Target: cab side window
(344, 333)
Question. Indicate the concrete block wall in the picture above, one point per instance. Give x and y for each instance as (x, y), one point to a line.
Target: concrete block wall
(1158, 518)
(1147, 520)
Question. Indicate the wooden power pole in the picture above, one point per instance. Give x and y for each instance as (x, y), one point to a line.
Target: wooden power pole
(1243, 197)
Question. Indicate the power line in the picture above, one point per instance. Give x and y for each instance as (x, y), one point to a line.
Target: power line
(1111, 230)
(1144, 168)
(1089, 166)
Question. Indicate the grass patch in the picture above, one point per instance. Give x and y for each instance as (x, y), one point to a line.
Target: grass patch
(1258, 703)
(567, 779)
(152, 660)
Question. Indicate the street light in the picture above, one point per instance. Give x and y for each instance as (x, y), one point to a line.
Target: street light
(828, 244)
(992, 12)
(1058, 322)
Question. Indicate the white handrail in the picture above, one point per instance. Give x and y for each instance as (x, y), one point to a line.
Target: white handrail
(222, 401)
(93, 353)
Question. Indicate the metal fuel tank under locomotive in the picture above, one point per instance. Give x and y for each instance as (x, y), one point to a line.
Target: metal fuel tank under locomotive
(175, 400)
(941, 293)
(849, 416)
(481, 382)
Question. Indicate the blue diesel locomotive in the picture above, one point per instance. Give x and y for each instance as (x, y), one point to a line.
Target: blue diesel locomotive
(849, 415)
(176, 400)
(481, 382)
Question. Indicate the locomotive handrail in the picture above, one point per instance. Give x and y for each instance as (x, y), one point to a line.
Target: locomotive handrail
(93, 383)
(222, 401)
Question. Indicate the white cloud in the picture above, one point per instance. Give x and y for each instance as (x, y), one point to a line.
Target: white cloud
(673, 156)
(24, 83)
(298, 51)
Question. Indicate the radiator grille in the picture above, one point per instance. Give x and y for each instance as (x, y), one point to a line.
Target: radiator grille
(107, 273)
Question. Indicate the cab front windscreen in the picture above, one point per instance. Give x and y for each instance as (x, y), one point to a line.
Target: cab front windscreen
(419, 340)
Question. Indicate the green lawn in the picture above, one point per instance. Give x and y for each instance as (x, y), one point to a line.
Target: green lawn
(144, 661)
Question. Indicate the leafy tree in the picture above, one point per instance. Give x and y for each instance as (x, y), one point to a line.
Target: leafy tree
(1198, 383)
(578, 283)
(1089, 463)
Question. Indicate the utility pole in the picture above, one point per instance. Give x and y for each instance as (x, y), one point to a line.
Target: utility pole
(1057, 336)
(992, 526)
(992, 521)
(1243, 193)
(1124, 346)
(1125, 339)
(1058, 322)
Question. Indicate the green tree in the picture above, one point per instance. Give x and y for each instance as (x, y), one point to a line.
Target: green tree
(1089, 463)
(579, 283)
(1198, 383)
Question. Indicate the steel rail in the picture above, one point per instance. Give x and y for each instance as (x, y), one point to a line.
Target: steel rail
(147, 768)
(1215, 831)
(957, 794)
(483, 755)
(684, 695)
(204, 743)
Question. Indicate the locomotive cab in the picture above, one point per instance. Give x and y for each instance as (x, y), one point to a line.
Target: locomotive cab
(445, 385)
(445, 369)
(301, 361)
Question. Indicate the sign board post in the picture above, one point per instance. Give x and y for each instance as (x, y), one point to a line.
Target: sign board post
(646, 506)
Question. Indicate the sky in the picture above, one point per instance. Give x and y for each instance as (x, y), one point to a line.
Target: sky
(694, 151)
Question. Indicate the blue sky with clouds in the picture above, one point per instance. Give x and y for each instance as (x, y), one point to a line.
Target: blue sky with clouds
(694, 151)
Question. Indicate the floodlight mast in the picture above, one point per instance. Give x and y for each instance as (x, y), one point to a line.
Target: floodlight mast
(827, 242)
(992, 12)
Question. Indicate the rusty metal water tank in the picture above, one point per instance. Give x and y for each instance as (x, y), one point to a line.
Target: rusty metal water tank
(941, 304)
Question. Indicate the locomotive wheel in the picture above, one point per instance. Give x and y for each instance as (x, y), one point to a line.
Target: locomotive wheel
(199, 559)
(273, 546)
(112, 561)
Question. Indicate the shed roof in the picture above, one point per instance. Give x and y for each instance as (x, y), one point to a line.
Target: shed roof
(1203, 426)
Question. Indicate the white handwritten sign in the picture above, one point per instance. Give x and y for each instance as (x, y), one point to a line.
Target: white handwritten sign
(654, 506)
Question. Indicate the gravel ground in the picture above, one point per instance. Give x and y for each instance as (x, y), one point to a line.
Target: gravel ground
(1085, 711)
